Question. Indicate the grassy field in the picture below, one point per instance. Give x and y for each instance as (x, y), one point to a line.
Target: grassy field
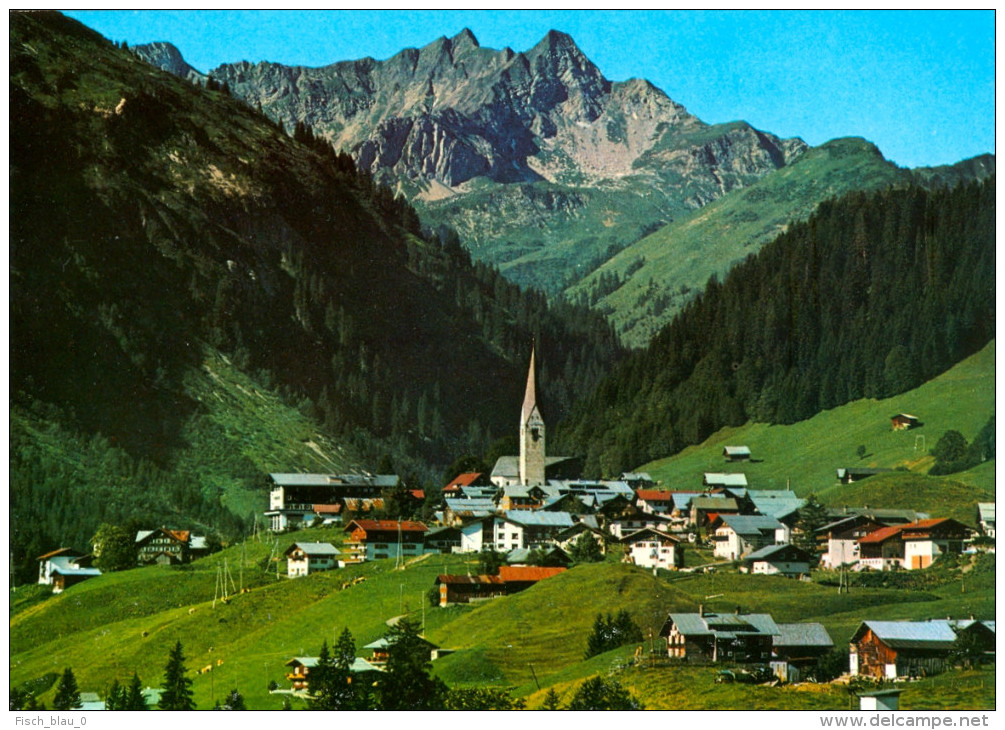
(805, 455)
(111, 626)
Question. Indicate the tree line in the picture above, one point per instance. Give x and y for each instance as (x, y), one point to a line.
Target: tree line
(874, 295)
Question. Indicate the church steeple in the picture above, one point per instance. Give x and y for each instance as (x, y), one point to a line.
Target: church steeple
(530, 394)
(532, 454)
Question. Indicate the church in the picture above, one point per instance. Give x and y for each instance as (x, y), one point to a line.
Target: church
(533, 467)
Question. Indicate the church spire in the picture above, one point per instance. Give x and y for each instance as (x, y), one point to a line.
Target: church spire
(530, 394)
(532, 453)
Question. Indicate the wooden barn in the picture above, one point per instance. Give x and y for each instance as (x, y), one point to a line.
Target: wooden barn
(891, 649)
(464, 588)
(904, 421)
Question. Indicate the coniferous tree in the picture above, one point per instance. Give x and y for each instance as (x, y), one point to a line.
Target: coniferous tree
(406, 683)
(551, 701)
(134, 699)
(115, 697)
(177, 693)
(598, 693)
(67, 695)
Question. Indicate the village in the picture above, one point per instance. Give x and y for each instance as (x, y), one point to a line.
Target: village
(533, 517)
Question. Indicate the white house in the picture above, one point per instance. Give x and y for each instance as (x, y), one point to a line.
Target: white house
(528, 528)
(651, 548)
(787, 560)
(304, 558)
(842, 539)
(737, 535)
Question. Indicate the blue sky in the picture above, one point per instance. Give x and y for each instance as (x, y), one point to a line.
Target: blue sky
(920, 84)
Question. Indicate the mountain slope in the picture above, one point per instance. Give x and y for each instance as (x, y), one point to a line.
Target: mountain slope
(870, 297)
(804, 456)
(171, 247)
(581, 164)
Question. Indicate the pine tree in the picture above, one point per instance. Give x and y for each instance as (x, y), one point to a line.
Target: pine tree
(551, 701)
(597, 693)
(177, 693)
(134, 696)
(407, 684)
(115, 697)
(67, 694)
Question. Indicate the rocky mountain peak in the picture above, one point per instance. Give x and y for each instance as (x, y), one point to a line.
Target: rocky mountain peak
(166, 55)
(464, 40)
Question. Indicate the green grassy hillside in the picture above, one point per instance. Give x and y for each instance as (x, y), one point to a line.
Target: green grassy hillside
(661, 272)
(116, 624)
(806, 455)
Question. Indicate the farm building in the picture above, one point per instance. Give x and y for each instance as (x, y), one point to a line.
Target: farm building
(797, 648)
(718, 637)
(850, 475)
(736, 453)
(62, 568)
(891, 649)
(904, 421)
(464, 588)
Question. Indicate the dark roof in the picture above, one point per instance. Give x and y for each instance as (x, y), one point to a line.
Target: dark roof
(778, 552)
(649, 532)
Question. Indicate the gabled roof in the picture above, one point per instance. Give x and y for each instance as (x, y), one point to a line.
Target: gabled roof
(526, 573)
(327, 509)
(441, 531)
(648, 533)
(721, 624)
(804, 634)
(750, 524)
(986, 510)
(316, 549)
(778, 552)
(640, 476)
(469, 579)
(655, 495)
(725, 480)
(736, 451)
(464, 480)
(406, 526)
(329, 480)
(682, 500)
(910, 634)
(65, 565)
(715, 503)
(358, 664)
(383, 643)
(54, 553)
(537, 518)
(881, 535)
(777, 503)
